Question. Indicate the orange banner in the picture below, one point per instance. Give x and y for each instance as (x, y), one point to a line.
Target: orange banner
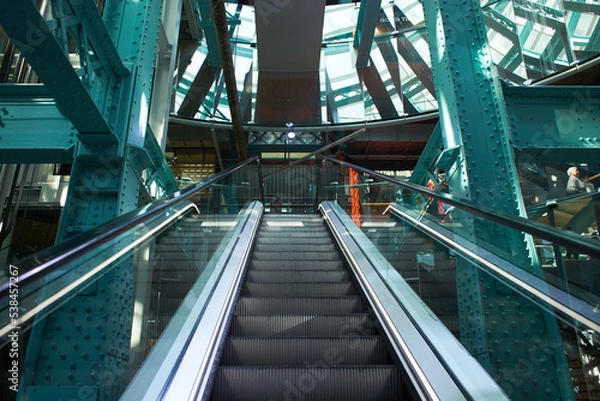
(354, 198)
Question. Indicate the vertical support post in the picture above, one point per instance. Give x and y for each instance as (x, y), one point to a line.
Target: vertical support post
(473, 119)
(551, 205)
(105, 182)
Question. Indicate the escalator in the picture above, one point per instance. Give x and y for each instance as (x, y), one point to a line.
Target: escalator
(301, 328)
(198, 298)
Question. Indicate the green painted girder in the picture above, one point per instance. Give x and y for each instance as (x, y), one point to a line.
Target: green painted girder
(410, 55)
(368, 16)
(23, 23)
(499, 23)
(474, 123)
(35, 132)
(581, 7)
(508, 75)
(199, 88)
(557, 124)
(594, 42)
(551, 17)
(332, 107)
(555, 46)
(425, 167)
(98, 36)
(513, 58)
(210, 35)
(161, 172)
(378, 91)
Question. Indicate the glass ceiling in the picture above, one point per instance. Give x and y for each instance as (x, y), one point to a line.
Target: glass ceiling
(529, 39)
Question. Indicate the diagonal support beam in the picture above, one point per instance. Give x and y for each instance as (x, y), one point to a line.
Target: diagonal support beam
(193, 19)
(23, 23)
(368, 16)
(210, 34)
(376, 88)
(222, 32)
(97, 34)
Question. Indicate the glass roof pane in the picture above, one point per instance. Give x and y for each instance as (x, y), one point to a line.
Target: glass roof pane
(528, 39)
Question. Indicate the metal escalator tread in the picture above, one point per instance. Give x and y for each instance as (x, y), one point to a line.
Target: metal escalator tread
(338, 351)
(315, 383)
(298, 305)
(301, 329)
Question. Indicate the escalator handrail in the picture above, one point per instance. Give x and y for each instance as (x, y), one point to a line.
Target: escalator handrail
(51, 259)
(436, 366)
(557, 202)
(564, 238)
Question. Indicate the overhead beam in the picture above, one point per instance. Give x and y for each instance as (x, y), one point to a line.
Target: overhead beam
(210, 34)
(368, 16)
(193, 19)
(23, 23)
(376, 88)
(35, 132)
(198, 89)
(426, 162)
(98, 36)
(410, 54)
(576, 6)
(556, 123)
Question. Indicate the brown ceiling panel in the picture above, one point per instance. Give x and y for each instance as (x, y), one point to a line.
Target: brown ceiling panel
(283, 97)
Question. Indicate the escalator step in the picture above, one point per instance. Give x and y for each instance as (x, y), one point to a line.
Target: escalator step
(306, 240)
(280, 248)
(303, 325)
(302, 351)
(289, 255)
(286, 237)
(356, 383)
(296, 265)
(298, 289)
(296, 276)
(288, 305)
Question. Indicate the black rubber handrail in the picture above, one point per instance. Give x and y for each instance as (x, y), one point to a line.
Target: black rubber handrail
(564, 238)
(51, 259)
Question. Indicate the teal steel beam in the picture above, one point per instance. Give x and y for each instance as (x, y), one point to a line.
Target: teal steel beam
(556, 45)
(501, 24)
(539, 13)
(377, 89)
(98, 36)
(475, 124)
(365, 30)
(594, 41)
(556, 124)
(106, 181)
(192, 13)
(410, 54)
(210, 33)
(23, 23)
(35, 132)
(581, 7)
(425, 166)
(332, 106)
(161, 172)
(199, 88)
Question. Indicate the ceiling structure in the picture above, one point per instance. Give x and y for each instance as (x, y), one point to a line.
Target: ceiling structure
(332, 67)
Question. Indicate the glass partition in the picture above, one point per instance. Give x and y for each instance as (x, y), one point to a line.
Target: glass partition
(83, 326)
(523, 305)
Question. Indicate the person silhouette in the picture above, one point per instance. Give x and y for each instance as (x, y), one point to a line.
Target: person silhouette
(575, 184)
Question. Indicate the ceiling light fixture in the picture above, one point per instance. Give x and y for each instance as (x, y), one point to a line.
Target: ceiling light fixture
(291, 134)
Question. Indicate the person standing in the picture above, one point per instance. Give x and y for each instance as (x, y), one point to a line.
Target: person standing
(576, 185)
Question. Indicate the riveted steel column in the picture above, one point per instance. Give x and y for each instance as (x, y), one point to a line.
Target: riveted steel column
(82, 350)
(496, 328)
